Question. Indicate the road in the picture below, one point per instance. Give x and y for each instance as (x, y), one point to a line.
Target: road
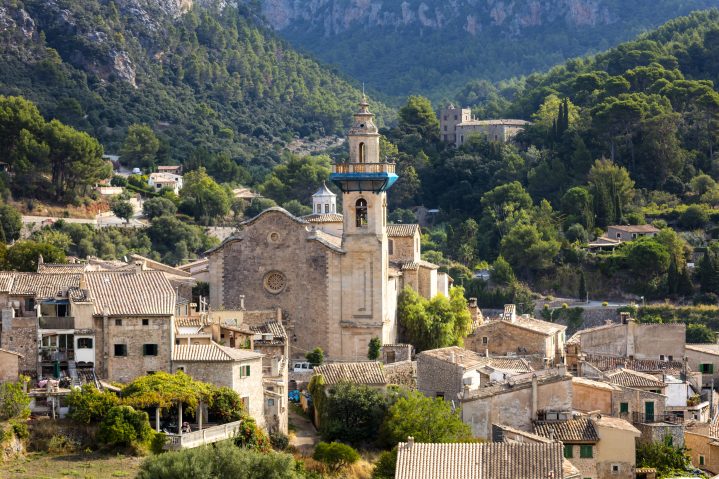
(305, 436)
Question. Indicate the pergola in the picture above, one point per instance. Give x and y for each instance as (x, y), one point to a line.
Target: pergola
(164, 390)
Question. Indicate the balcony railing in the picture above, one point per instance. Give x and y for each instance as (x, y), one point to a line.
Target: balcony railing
(209, 435)
(363, 168)
(641, 418)
(57, 322)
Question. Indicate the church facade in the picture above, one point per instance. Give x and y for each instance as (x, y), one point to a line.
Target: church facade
(336, 277)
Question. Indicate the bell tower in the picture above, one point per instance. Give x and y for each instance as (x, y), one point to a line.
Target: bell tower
(364, 181)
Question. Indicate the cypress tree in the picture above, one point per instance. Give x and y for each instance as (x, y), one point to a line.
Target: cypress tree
(566, 114)
(708, 274)
(583, 296)
(684, 284)
(672, 278)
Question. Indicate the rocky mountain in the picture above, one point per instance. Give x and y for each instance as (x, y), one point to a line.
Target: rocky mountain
(434, 46)
(206, 75)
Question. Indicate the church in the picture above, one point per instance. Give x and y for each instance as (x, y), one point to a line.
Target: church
(335, 277)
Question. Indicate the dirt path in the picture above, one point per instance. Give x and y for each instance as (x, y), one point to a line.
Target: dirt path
(305, 436)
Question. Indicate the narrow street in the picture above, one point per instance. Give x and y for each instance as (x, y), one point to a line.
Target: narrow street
(305, 436)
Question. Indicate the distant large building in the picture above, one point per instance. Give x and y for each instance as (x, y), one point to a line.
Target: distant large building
(457, 124)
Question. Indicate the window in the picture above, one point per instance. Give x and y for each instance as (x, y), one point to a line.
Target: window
(706, 368)
(245, 371)
(145, 322)
(670, 358)
(439, 394)
(624, 408)
(361, 212)
(701, 460)
(390, 247)
(84, 343)
(568, 450)
(120, 350)
(118, 322)
(270, 402)
(246, 403)
(585, 451)
(319, 208)
(362, 153)
(661, 357)
(149, 349)
(29, 304)
(485, 340)
(327, 208)
(615, 468)
(181, 368)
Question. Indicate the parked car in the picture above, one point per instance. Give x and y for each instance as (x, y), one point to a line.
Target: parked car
(302, 367)
(136, 171)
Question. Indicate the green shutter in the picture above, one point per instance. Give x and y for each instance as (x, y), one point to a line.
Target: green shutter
(568, 451)
(623, 407)
(585, 452)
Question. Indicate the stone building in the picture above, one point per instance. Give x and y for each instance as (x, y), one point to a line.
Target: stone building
(457, 124)
(9, 365)
(624, 233)
(512, 334)
(702, 442)
(631, 340)
(517, 402)
(448, 372)
(600, 447)
(237, 369)
(336, 284)
(134, 312)
(704, 358)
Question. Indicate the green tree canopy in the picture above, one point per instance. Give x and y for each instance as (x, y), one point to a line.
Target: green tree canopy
(139, 150)
(165, 390)
(154, 207)
(297, 178)
(10, 223)
(433, 323)
(202, 198)
(352, 413)
(425, 419)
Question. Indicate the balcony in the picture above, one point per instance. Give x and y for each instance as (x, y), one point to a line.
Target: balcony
(56, 322)
(370, 177)
(641, 418)
(175, 442)
(344, 168)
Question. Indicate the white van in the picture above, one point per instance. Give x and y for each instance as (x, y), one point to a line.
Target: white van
(302, 367)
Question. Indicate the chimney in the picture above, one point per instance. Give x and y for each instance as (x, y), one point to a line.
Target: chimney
(242, 302)
(624, 316)
(410, 441)
(138, 266)
(83, 282)
(452, 358)
(510, 312)
(472, 303)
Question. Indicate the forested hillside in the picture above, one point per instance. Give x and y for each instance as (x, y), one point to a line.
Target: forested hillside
(432, 47)
(205, 79)
(626, 137)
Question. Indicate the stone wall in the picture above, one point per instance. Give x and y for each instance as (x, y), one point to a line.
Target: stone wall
(403, 248)
(391, 353)
(513, 407)
(657, 432)
(20, 335)
(503, 337)
(695, 358)
(9, 366)
(588, 398)
(643, 341)
(699, 444)
(437, 377)
(131, 332)
(636, 399)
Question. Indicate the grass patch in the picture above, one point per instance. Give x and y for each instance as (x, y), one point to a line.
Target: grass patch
(70, 466)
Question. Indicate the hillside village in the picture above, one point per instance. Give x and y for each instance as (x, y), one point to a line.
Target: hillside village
(220, 257)
(303, 307)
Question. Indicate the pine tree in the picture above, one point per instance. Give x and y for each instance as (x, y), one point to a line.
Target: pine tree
(583, 295)
(708, 274)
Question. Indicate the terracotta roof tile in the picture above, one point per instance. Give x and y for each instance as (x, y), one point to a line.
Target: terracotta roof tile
(402, 230)
(537, 325)
(6, 280)
(59, 268)
(470, 359)
(43, 285)
(479, 461)
(212, 352)
(271, 327)
(323, 218)
(131, 293)
(580, 429)
(366, 372)
(635, 228)
(609, 363)
(704, 348)
(634, 379)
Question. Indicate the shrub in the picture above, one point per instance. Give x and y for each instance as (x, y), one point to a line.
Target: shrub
(226, 405)
(279, 441)
(157, 443)
(694, 217)
(14, 401)
(61, 444)
(375, 345)
(315, 357)
(335, 455)
(386, 465)
(89, 405)
(19, 428)
(124, 426)
(252, 437)
(351, 413)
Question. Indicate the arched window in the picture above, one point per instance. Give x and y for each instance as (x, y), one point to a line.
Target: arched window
(361, 157)
(361, 212)
(390, 247)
